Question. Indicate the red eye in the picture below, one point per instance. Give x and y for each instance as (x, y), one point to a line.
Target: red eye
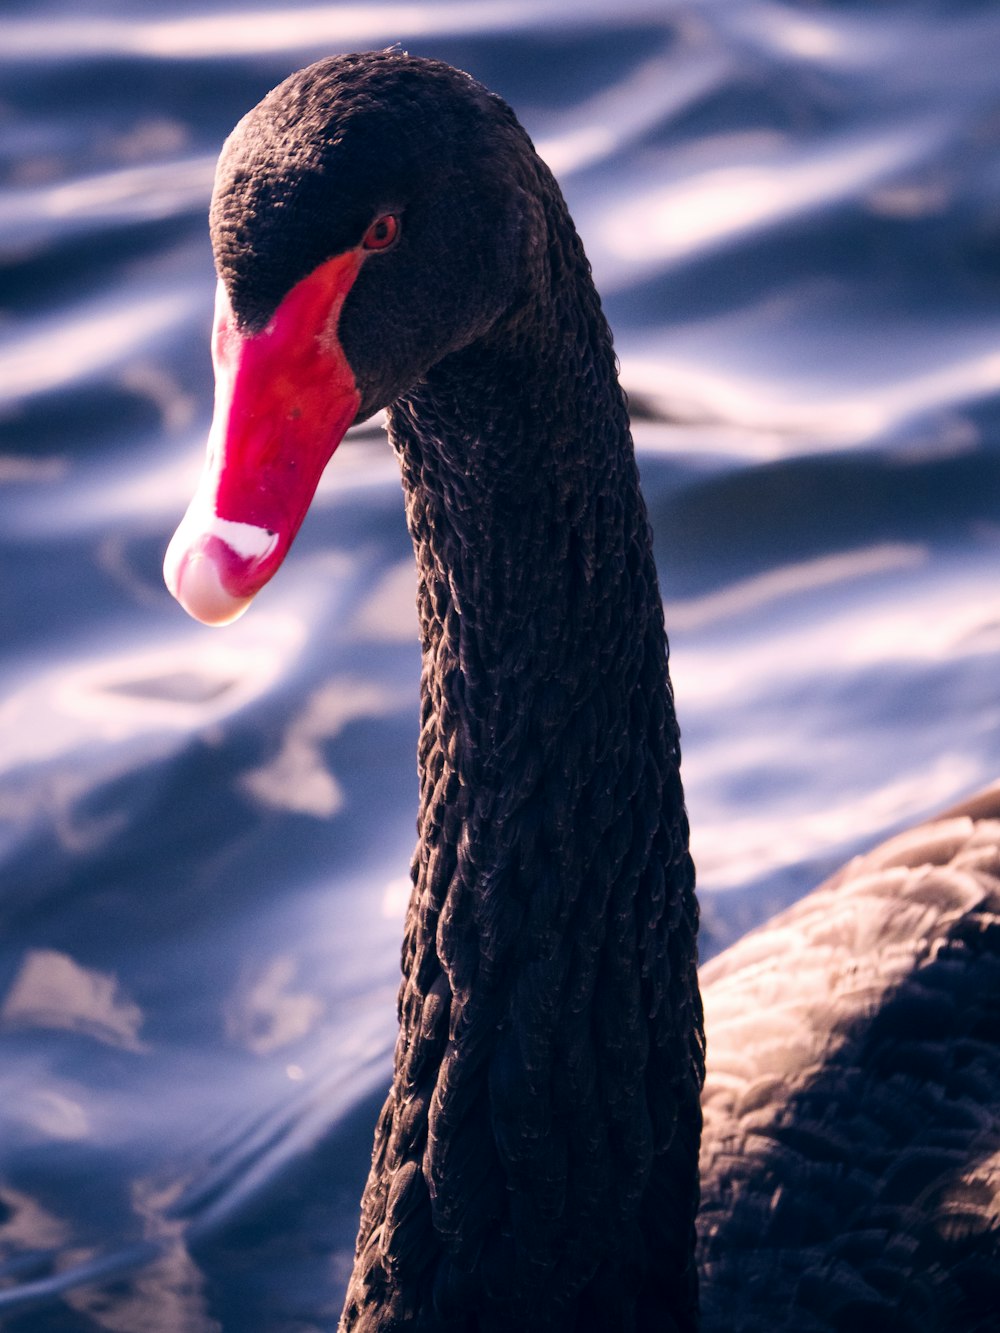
(382, 233)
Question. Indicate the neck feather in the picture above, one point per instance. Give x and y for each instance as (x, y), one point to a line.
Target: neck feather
(536, 1163)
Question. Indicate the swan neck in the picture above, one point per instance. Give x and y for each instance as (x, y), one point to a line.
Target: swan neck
(536, 1162)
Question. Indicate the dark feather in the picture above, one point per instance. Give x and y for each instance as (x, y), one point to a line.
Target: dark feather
(851, 1153)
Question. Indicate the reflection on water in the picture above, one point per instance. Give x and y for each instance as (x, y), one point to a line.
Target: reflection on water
(76, 346)
(763, 590)
(719, 203)
(297, 778)
(53, 991)
(266, 1015)
(298, 28)
(204, 835)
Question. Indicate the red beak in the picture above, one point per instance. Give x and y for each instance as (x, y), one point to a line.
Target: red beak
(284, 399)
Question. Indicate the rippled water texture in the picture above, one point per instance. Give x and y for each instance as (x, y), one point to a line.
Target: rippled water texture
(793, 213)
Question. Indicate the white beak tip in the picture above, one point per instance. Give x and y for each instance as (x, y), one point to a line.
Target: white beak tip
(195, 582)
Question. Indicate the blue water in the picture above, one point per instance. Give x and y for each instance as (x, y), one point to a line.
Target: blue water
(793, 214)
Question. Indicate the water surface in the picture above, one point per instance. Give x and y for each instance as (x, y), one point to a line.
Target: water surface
(793, 214)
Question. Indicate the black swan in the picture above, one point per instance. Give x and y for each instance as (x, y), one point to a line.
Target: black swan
(386, 236)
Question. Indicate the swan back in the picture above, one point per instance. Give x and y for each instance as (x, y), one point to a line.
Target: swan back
(851, 1151)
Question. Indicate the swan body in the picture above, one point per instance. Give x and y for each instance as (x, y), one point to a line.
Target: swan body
(386, 236)
(850, 1168)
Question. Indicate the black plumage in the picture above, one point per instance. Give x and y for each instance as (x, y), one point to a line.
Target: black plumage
(535, 1165)
(851, 1156)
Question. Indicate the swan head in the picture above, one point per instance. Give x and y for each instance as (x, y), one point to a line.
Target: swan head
(369, 218)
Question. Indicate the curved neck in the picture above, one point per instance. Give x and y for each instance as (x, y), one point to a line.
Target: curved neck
(536, 1162)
